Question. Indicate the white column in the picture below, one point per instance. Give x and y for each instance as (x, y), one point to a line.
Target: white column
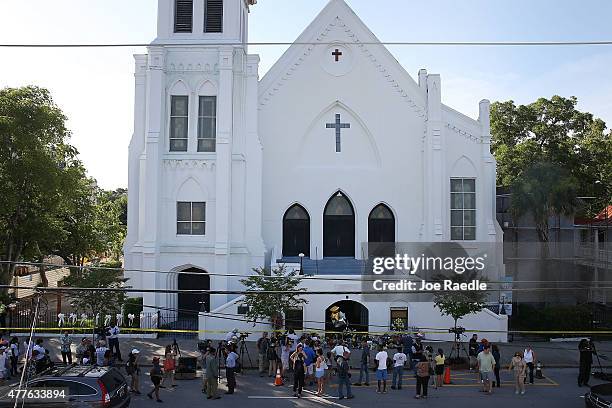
(136, 149)
(489, 168)
(154, 146)
(223, 170)
(254, 162)
(435, 174)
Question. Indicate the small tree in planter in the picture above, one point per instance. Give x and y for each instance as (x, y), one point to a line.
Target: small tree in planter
(272, 306)
(458, 304)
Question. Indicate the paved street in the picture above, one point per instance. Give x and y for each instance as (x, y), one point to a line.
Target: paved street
(558, 390)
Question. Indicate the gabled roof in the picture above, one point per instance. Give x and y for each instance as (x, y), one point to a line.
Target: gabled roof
(338, 13)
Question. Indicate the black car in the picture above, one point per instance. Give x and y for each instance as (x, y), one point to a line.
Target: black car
(84, 386)
(600, 396)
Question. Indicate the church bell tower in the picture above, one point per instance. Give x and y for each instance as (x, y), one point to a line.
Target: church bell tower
(203, 21)
(195, 141)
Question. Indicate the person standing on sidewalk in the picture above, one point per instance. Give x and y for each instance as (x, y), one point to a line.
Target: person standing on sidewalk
(262, 350)
(14, 353)
(422, 377)
(113, 342)
(212, 372)
(363, 364)
(344, 376)
(439, 368)
(399, 359)
(230, 368)
(169, 366)
(320, 367)
(65, 343)
(272, 356)
(519, 367)
(381, 370)
(133, 370)
(486, 364)
(530, 357)
(586, 360)
(156, 378)
(497, 356)
(299, 370)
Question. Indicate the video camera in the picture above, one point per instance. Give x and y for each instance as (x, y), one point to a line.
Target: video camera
(457, 330)
(244, 335)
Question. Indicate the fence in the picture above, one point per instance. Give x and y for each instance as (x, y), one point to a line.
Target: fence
(20, 317)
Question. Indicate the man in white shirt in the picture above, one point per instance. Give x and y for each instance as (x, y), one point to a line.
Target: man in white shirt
(294, 340)
(340, 349)
(399, 359)
(230, 368)
(41, 350)
(113, 342)
(381, 369)
(100, 351)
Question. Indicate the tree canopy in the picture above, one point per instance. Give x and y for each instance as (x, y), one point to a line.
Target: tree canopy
(272, 305)
(549, 154)
(48, 204)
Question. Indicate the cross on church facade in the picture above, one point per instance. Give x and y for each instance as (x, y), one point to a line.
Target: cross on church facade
(337, 54)
(337, 125)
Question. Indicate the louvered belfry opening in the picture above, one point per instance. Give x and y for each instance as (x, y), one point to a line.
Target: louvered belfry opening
(183, 16)
(213, 16)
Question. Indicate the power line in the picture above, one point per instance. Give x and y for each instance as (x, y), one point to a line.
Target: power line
(280, 43)
(302, 291)
(359, 278)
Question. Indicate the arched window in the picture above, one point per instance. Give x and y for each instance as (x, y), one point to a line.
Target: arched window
(381, 224)
(296, 231)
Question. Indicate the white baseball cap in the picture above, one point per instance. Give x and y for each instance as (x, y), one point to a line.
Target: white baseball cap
(135, 351)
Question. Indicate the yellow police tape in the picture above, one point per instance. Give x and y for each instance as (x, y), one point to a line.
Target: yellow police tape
(376, 333)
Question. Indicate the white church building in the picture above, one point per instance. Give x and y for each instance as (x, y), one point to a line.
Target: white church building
(336, 145)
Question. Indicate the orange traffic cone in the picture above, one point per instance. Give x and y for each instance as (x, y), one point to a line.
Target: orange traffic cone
(447, 378)
(278, 380)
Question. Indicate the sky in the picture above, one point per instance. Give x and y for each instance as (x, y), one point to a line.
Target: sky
(95, 87)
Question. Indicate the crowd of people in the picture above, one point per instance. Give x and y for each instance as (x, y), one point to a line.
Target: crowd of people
(305, 360)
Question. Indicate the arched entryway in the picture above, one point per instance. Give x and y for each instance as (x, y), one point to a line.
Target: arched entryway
(356, 316)
(339, 227)
(296, 231)
(191, 303)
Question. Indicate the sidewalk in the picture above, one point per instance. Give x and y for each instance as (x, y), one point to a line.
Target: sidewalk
(550, 354)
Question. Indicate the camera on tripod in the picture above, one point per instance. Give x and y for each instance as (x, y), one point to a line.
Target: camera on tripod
(457, 330)
(244, 335)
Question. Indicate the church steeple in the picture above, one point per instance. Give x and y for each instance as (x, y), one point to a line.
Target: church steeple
(202, 21)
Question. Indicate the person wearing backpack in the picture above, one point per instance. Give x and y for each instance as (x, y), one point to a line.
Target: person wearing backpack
(156, 378)
(422, 372)
(344, 376)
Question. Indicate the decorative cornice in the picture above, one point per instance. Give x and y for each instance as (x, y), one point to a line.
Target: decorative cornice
(393, 83)
(189, 164)
(190, 67)
(464, 133)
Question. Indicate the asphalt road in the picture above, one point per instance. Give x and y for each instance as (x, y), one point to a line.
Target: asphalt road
(557, 390)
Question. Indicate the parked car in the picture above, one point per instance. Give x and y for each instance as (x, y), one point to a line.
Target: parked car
(600, 396)
(87, 387)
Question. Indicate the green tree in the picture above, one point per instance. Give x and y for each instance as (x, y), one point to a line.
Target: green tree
(535, 140)
(37, 166)
(272, 305)
(92, 301)
(458, 304)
